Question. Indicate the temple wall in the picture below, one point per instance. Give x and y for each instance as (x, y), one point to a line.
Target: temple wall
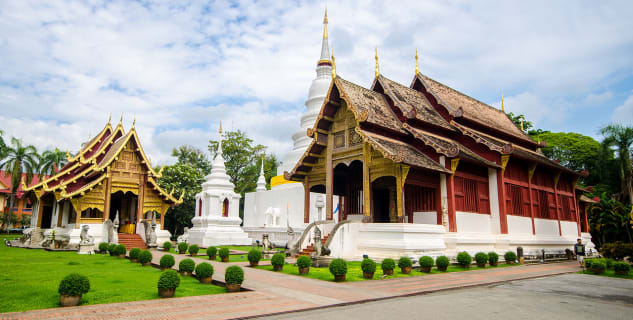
(494, 201)
(473, 222)
(569, 228)
(519, 225)
(428, 217)
(546, 227)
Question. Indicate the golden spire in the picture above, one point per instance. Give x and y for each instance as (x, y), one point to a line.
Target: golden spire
(325, 25)
(134, 121)
(121, 119)
(377, 69)
(502, 107)
(417, 65)
(110, 117)
(333, 65)
(522, 124)
(68, 157)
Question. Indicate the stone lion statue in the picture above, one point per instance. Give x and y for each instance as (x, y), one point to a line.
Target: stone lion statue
(84, 236)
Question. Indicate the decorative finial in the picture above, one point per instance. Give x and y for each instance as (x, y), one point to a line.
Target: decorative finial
(121, 119)
(134, 121)
(110, 117)
(522, 124)
(503, 108)
(377, 69)
(68, 157)
(220, 130)
(325, 25)
(417, 65)
(333, 65)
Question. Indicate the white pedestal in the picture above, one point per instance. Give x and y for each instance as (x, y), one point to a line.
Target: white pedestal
(218, 231)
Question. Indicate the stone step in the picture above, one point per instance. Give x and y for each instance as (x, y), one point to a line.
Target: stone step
(131, 241)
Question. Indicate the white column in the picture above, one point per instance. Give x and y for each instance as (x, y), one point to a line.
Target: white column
(55, 213)
(444, 195)
(493, 193)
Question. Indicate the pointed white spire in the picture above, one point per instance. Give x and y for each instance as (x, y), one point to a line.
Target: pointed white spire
(220, 142)
(261, 181)
(325, 47)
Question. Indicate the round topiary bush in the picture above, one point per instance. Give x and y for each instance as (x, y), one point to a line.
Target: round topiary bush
(182, 247)
(609, 263)
(204, 271)
(112, 248)
(493, 258)
(277, 261)
(510, 257)
(254, 255)
(464, 259)
(481, 258)
(134, 254)
(224, 254)
(369, 268)
(442, 263)
(426, 263)
(167, 245)
(193, 249)
(304, 262)
(120, 251)
(103, 247)
(405, 264)
(212, 252)
(387, 266)
(145, 257)
(598, 267)
(338, 267)
(167, 261)
(186, 266)
(621, 268)
(233, 277)
(588, 263)
(167, 283)
(74, 284)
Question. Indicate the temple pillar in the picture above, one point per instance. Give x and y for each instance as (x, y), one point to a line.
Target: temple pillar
(573, 191)
(503, 219)
(139, 201)
(366, 183)
(39, 212)
(556, 178)
(162, 219)
(450, 191)
(494, 201)
(60, 212)
(78, 215)
(108, 196)
(531, 170)
(329, 179)
(306, 205)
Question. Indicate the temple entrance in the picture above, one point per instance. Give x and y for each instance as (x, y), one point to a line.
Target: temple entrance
(47, 203)
(125, 205)
(348, 185)
(383, 199)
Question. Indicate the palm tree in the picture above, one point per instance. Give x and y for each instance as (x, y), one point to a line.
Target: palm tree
(50, 161)
(19, 159)
(621, 138)
(3, 146)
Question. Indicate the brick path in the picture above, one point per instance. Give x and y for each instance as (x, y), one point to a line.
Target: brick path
(277, 292)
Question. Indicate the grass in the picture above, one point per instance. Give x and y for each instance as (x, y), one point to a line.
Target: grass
(609, 273)
(30, 278)
(355, 273)
(232, 258)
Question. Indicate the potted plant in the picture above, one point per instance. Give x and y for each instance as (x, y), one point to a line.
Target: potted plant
(112, 248)
(278, 261)
(464, 259)
(120, 251)
(426, 263)
(442, 263)
(481, 258)
(204, 271)
(233, 277)
(145, 258)
(621, 268)
(167, 261)
(103, 247)
(224, 254)
(369, 268)
(71, 288)
(182, 247)
(254, 256)
(338, 268)
(186, 267)
(193, 250)
(387, 266)
(510, 257)
(134, 254)
(167, 246)
(598, 267)
(405, 265)
(167, 283)
(211, 252)
(304, 262)
(493, 258)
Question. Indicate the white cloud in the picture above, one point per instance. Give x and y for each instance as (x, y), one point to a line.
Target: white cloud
(624, 112)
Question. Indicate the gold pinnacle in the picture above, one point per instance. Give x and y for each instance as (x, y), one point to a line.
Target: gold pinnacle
(502, 107)
(325, 25)
(417, 65)
(377, 69)
(333, 64)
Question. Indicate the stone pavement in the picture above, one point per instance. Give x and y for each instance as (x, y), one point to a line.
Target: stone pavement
(277, 293)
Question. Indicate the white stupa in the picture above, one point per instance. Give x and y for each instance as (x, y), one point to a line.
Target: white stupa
(217, 217)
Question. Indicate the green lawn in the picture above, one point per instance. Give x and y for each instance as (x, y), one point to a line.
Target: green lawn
(30, 278)
(610, 273)
(232, 258)
(355, 273)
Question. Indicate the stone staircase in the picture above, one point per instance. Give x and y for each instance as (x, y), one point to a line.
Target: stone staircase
(310, 249)
(132, 241)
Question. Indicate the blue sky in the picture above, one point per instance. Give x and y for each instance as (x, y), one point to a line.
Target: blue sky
(180, 68)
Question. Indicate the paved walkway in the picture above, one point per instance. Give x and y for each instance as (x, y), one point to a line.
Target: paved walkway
(276, 292)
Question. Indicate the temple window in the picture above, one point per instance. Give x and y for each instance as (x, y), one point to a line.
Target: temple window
(225, 208)
(92, 213)
(199, 207)
(72, 215)
(471, 189)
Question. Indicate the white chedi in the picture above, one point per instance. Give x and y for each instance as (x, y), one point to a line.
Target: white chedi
(217, 221)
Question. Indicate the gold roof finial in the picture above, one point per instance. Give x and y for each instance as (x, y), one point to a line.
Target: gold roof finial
(121, 119)
(110, 117)
(417, 65)
(522, 125)
(333, 65)
(134, 121)
(503, 108)
(220, 131)
(377, 69)
(325, 25)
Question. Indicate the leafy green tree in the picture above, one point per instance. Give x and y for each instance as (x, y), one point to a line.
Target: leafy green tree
(186, 154)
(527, 125)
(51, 160)
(609, 221)
(620, 138)
(25, 220)
(8, 219)
(3, 146)
(19, 159)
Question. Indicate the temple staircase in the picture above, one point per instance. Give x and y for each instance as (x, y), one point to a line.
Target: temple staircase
(310, 249)
(132, 241)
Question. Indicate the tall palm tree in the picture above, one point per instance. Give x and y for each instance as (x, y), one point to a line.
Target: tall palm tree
(621, 138)
(19, 159)
(3, 146)
(52, 160)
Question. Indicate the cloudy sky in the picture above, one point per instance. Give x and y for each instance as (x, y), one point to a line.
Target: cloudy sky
(182, 66)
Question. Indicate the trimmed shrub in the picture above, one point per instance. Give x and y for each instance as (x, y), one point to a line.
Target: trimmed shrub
(304, 262)
(186, 265)
(442, 262)
(481, 258)
(145, 257)
(278, 259)
(598, 267)
(103, 247)
(617, 250)
(368, 265)
(493, 258)
(234, 275)
(404, 262)
(621, 267)
(426, 262)
(193, 249)
(212, 252)
(134, 253)
(112, 248)
(609, 263)
(167, 261)
(464, 259)
(338, 267)
(182, 247)
(510, 257)
(120, 250)
(254, 256)
(224, 252)
(167, 245)
(74, 284)
(388, 264)
(588, 263)
(169, 280)
(204, 270)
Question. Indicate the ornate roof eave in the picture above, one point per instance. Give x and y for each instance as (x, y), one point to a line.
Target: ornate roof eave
(53, 178)
(145, 160)
(162, 192)
(88, 147)
(103, 148)
(86, 188)
(453, 112)
(451, 152)
(410, 114)
(508, 148)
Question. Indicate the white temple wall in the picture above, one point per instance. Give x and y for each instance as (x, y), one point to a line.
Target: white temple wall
(493, 192)
(546, 227)
(519, 225)
(569, 229)
(428, 217)
(344, 242)
(473, 222)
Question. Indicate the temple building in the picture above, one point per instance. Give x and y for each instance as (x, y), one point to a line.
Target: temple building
(22, 205)
(109, 182)
(430, 170)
